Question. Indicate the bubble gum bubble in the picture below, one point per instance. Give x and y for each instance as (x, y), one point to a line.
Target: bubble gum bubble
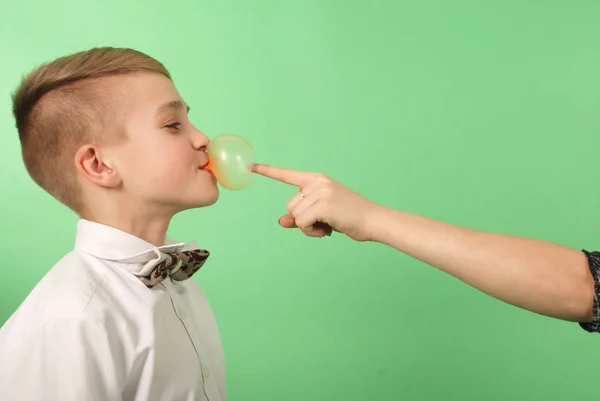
(230, 159)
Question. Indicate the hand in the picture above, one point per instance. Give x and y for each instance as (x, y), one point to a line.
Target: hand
(322, 204)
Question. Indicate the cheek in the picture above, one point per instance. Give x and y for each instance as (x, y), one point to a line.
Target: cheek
(157, 160)
(171, 165)
(146, 165)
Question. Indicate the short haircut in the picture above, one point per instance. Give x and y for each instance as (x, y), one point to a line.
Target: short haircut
(62, 104)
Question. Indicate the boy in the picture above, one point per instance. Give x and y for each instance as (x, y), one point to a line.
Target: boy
(106, 133)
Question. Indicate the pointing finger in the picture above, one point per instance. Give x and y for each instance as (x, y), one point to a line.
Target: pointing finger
(292, 177)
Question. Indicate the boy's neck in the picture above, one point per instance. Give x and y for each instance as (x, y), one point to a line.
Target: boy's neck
(152, 230)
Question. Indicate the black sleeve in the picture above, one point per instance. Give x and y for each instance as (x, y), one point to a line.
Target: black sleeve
(594, 266)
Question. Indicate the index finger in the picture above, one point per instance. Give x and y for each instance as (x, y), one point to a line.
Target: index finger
(285, 175)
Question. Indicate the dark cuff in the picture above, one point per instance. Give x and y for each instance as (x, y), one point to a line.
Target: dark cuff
(594, 266)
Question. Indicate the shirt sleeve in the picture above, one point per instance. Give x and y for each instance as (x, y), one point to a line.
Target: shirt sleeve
(67, 360)
(594, 266)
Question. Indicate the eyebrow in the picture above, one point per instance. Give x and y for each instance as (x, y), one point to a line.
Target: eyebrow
(172, 105)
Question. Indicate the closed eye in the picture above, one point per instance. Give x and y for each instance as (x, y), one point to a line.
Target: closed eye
(174, 125)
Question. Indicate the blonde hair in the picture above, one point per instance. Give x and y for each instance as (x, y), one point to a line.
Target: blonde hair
(61, 104)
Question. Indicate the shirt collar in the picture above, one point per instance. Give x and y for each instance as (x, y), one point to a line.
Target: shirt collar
(112, 244)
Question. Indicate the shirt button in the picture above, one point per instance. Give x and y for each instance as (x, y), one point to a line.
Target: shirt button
(182, 313)
(206, 372)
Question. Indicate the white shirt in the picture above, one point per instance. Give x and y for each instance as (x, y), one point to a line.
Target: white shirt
(90, 330)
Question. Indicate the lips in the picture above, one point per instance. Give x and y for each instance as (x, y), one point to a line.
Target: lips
(206, 166)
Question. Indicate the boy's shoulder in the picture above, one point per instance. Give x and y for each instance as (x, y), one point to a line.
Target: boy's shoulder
(67, 322)
(93, 285)
(63, 293)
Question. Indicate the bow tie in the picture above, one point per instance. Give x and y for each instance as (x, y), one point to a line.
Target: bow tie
(179, 266)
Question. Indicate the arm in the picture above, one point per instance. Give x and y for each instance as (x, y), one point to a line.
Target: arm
(542, 277)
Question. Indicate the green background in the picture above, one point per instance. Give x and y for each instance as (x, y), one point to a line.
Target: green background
(479, 113)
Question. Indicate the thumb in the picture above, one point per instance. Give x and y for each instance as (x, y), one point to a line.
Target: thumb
(316, 230)
(287, 221)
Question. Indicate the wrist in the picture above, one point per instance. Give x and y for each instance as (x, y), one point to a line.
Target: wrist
(375, 222)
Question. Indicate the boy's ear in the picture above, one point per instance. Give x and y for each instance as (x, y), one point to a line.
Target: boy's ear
(92, 165)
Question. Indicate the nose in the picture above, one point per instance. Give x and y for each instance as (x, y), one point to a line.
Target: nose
(199, 140)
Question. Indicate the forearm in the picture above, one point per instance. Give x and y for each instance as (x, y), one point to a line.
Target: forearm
(542, 277)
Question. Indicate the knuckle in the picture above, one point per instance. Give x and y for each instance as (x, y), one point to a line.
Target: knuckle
(303, 221)
(322, 177)
(327, 191)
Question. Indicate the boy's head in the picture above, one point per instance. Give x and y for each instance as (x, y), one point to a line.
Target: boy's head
(106, 131)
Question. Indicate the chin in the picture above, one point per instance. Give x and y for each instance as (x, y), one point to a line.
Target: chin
(203, 195)
(208, 198)
(211, 201)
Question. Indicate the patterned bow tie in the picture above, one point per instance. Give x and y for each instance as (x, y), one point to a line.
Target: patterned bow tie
(185, 264)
